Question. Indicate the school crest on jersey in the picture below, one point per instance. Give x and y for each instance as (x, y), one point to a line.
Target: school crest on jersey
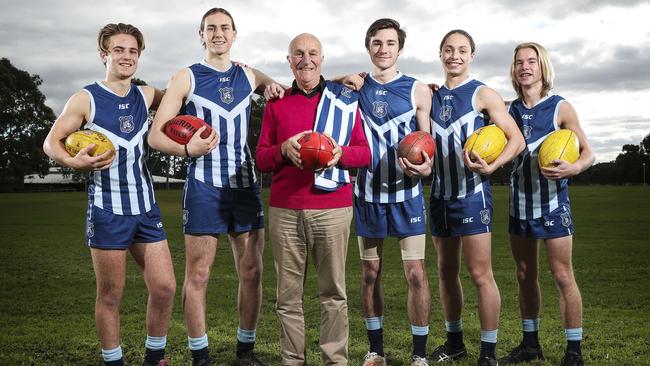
(227, 95)
(126, 124)
(485, 216)
(379, 109)
(90, 230)
(346, 92)
(527, 130)
(445, 112)
(566, 219)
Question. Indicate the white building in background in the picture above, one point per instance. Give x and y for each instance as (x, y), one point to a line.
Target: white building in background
(56, 176)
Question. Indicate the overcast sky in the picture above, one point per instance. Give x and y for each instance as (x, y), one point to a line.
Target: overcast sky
(600, 49)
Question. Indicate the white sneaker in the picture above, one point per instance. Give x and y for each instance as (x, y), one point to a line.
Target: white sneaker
(373, 359)
(419, 361)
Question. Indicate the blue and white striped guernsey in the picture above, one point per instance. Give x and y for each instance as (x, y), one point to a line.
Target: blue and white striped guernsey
(223, 100)
(125, 188)
(454, 118)
(335, 116)
(531, 194)
(388, 112)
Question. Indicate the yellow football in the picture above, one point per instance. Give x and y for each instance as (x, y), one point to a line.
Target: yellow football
(559, 145)
(488, 142)
(80, 139)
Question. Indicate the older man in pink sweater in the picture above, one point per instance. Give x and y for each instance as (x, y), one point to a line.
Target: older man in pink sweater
(303, 219)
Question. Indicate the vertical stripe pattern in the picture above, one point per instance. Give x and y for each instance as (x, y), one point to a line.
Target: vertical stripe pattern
(531, 194)
(126, 187)
(455, 117)
(335, 116)
(388, 114)
(223, 100)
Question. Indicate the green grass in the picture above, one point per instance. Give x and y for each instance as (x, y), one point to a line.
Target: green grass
(47, 288)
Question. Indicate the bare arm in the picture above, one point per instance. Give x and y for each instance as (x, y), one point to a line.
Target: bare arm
(423, 109)
(75, 112)
(491, 102)
(178, 89)
(568, 119)
(265, 85)
(154, 96)
(352, 81)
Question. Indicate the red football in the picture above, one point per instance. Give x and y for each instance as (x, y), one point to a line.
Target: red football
(413, 144)
(315, 150)
(182, 128)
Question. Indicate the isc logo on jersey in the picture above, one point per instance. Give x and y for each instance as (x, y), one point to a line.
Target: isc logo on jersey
(224, 79)
(380, 92)
(416, 219)
(468, 220)
(526, 116)
(549, 223)
(123, 106)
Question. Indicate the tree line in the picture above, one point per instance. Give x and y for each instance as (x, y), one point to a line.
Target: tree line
(25, 120)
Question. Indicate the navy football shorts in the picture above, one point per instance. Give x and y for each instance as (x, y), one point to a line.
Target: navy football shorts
(461, 217)
(557, 224)
(209, 210)
(400, 220)
(106, 230)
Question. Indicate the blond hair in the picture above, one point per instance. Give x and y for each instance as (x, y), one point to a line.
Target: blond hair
(545, 65)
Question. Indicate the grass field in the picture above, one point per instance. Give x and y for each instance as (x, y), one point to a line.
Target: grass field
(47, 288)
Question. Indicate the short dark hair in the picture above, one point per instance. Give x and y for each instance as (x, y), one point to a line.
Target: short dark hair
(461, 32)
(385, 23)
(214, 11)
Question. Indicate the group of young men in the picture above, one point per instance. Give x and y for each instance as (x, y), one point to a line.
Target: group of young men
(365, 116)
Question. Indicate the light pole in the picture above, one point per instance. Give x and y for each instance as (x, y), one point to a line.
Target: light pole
(643, 174)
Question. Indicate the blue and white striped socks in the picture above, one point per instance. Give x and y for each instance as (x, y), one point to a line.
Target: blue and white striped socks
(573, 338)
(420, 335)
(489, 342)
(156, 343)
(530, 328)
(374, 330)
(197, 343)
(245, 341)
(454, 330)
(154, 349)
(112, 356)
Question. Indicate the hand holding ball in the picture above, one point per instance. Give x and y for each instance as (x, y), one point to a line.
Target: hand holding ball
(559, 145)
(487, 142)
(316, 150)
(412, 145)
(181, 128)
(78, 140)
